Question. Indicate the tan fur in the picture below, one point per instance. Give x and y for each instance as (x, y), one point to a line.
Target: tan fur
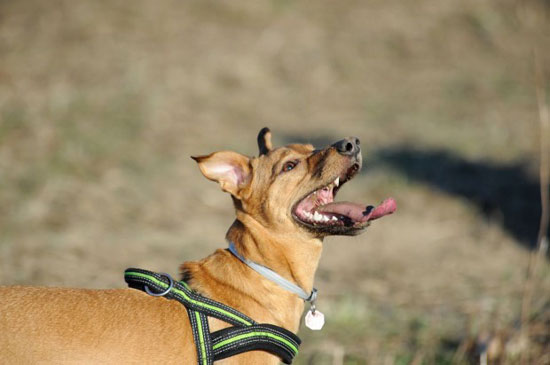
(54, 325)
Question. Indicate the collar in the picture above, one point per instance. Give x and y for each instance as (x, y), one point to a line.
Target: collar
(276, 278)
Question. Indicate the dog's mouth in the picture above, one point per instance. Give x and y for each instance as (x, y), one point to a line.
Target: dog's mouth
(319, 212)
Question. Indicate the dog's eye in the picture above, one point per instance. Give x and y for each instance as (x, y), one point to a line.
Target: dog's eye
(289, 165)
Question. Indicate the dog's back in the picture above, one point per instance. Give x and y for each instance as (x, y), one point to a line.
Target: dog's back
(79, 325)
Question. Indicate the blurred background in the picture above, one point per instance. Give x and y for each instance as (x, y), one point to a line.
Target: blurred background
(103, 102)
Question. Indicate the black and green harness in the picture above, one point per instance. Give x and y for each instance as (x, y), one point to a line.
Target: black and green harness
(245, 334)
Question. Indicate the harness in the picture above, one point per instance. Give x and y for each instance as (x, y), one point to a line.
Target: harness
(245, 334)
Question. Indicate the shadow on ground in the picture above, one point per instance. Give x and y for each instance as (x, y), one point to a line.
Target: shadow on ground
(505, 193)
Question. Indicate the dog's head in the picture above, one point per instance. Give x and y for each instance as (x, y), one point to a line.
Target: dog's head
(293, 187)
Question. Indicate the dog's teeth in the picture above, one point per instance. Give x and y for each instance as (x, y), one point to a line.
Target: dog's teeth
(334, 218)
(337, 181)
(317, 216)
(325, 218)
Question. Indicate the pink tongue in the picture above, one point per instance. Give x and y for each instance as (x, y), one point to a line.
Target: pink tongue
(358, 212)
(388, 206)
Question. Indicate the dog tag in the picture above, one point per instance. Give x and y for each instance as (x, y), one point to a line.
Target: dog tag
(315, 320)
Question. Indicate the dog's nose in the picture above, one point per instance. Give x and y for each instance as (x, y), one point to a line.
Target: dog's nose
(348, 146)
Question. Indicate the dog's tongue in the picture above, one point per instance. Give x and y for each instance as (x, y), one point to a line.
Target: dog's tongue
(360, 213)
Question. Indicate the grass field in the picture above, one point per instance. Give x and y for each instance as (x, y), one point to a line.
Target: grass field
(103, 102)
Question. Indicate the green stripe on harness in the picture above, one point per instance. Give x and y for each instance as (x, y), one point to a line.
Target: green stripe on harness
(201, 338)
(245, 335)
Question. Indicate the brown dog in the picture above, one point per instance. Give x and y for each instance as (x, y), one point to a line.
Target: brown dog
(284, 206)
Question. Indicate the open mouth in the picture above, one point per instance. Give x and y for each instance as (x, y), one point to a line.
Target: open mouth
(319, 211)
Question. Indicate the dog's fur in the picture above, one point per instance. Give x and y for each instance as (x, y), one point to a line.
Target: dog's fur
(56, 325)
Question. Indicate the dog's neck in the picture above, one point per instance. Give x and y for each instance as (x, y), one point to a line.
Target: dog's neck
(293, 256)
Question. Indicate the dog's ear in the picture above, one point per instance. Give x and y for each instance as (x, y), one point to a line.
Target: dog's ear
(264, 141)
(230, 169)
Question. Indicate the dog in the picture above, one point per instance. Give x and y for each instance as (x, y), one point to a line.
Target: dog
(284, 204)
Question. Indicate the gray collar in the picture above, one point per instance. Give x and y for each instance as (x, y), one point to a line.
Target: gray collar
(276, 278)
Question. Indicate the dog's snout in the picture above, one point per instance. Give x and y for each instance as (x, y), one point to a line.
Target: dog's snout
(348, 146)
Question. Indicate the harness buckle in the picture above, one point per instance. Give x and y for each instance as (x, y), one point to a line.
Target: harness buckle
(161, 294)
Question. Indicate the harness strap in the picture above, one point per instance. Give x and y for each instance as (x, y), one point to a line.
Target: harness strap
(235, 340)
(138, 279)
(201, 335)
(246, 335)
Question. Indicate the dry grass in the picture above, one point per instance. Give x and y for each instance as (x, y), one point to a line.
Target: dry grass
(102, 102)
